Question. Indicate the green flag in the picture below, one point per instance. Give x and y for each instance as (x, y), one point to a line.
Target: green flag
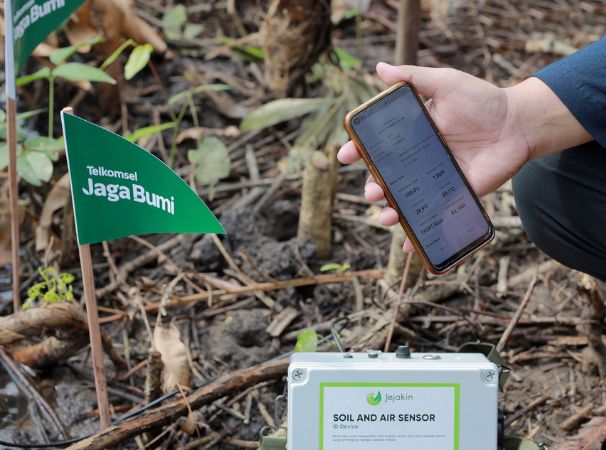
(27, 23)
(120, 189)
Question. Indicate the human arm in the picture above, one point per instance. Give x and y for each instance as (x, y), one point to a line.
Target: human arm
(491, 131)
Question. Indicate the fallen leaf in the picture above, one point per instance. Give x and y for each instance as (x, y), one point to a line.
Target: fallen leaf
(168, 342)
(129, 24)
(55, 200)
(210, 160)
(81, 28)
(198, 133)
(189, 425)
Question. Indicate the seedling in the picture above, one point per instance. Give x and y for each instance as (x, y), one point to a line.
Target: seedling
(176, 27)
(54, 287)
(307, 341)
(247, 52)
(70, 71)
(35, 155)
(211, 162)
(137, 60)
(336, 267)
(323, 127)
(187, 97)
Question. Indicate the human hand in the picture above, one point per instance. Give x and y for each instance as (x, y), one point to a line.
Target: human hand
(476, 120)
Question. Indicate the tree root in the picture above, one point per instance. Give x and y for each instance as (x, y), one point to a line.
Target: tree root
(66, 329)
(224, 385)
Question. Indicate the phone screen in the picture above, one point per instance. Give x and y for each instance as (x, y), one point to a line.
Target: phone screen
(421, 175)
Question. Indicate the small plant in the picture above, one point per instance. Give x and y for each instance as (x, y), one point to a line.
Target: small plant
(186, 98)
(35, 155)
(54, 287)
(246, 52)
(336, 267)
(307, 341)
(211, 162)
(137, 60)
(343, 91)
(70, 71)
(176, 27)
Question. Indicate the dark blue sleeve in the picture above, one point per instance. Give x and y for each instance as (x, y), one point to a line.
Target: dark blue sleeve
(579, 80)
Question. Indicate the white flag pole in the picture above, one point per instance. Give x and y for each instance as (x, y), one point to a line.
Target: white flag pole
(92, 315)
(11, 115)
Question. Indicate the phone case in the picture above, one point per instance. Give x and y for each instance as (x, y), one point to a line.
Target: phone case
(389, 197)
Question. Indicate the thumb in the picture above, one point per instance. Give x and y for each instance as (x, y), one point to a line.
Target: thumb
(426, 80)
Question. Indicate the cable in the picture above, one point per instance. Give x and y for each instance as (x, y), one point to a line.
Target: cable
(334, 335)
(120, 419)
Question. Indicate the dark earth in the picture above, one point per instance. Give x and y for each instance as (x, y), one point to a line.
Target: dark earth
(487, 38)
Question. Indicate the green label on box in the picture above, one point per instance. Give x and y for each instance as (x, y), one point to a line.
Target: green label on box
(389, 416)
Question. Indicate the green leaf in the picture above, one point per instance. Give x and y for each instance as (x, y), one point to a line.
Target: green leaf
(148, 131)
(351, 13)
(43, 73)
(36, 290)
(346, 60)
(210, 160)
(29, 114)
(307, 341)
(59, 56)
(51, 147)
(173, 21)
(35, 167)
(82, 72)
(192, 30)
(50, 296)
(137, 60)
(116, 54)
(182, 96)
(335, 266)
(280, 111)
(67, 278)
(29, 303)
(255, 52)
(20, 118)
(246, 50)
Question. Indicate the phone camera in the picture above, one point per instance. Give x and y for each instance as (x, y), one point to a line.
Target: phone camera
(356, 121)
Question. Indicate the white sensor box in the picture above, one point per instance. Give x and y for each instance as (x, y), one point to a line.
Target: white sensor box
(392, 401)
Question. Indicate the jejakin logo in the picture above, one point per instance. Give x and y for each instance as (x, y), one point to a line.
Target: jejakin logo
(373, 399)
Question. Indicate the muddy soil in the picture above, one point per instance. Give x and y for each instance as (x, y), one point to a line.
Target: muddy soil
(548, 359)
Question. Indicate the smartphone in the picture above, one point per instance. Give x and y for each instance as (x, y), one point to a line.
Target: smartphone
(422, 181)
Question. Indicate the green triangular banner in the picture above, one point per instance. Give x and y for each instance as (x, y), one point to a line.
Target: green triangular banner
(33, 21)
(119, 189)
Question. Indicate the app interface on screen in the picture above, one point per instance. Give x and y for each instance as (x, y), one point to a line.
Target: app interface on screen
(420, 175)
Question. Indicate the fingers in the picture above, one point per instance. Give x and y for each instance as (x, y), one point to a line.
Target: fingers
(373, 192)
(388, 217)
(426, 80)
(408, 248)
(348, 154)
